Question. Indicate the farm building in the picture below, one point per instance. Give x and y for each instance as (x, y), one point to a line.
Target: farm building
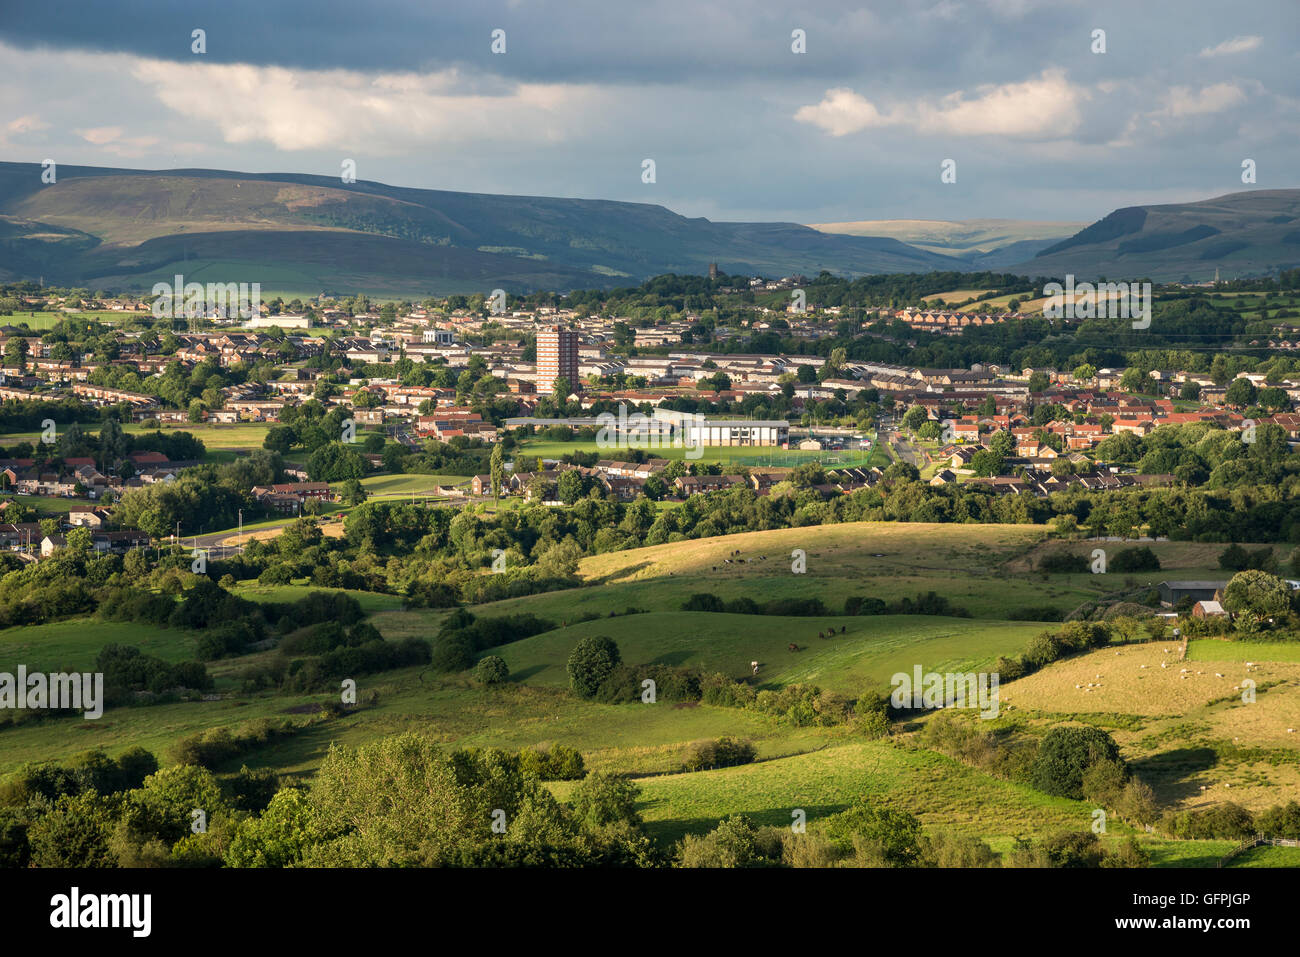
(1208, 609)
(1171, 592)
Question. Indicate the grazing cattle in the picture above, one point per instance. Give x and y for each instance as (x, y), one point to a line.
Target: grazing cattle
(793, 646)
(842, 627)
(821, 634)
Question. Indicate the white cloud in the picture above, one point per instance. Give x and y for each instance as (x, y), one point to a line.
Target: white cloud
(1184, 101)
(382, 113)
(840, 112)
(101, 135)
(26, 124)
(1235, 45)
(1045, 107)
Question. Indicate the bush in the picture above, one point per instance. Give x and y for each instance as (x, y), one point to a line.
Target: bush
(735, 842)
(592, 660)
(702, 602)
(1066, 755)
(491, 670)
(1060, 563)
(858, 605)
(725, 752)
(1134, 560)
(557, 763)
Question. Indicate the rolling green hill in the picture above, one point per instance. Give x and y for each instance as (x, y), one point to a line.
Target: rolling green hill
(1240, 234)
(131, 228)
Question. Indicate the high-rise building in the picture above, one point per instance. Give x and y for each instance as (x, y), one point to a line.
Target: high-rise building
(557, 357)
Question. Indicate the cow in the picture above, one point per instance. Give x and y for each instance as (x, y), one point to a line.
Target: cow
(793, 646)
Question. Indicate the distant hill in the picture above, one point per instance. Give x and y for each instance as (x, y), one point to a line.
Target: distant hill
(305, 234)
(1241, 234)
(983, 243)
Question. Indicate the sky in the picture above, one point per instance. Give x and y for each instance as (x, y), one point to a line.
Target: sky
(1038, 122)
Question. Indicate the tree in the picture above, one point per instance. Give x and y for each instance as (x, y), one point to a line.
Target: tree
(16, 350)
(592, 660)
(1002, 443)
(1038, 382)
(1240, 393)
(1257, 594)
(1084, 373)
(336, 462)
(914, 417)
(901, 471)
(987, 463)
(1065, 756)
(571, 486)
(491, 670)
(887, 836)
(497, 464)
(1234, 558)
(602, 798)
(353, 492)
(735, 842)
(1190, 391)
(654, 488)
(279, 836)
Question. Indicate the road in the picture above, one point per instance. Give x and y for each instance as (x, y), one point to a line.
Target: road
(907, 452)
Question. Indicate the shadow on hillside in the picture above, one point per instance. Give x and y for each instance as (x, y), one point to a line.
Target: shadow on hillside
(619, 575)
(1175, 773)
(524, 674)
(672, 658)
(670, 831)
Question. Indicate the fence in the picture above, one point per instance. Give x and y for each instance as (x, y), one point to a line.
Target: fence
(1256, 841)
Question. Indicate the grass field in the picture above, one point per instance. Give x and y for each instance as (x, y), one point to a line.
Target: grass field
(73, 644)
(216, 437)
(1267, 856)
(40, 321)
(750, 457)
(396, 486)
(865, 656)
(1189, 734)
(1214, 649)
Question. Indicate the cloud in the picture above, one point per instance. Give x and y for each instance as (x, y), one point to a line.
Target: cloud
(1235, 45)
(26, 124)
(1183, 101)
(101, 135)
(385, 113)
(841, 111)
(1044, 107)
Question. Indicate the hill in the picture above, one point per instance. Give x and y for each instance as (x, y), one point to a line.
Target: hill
(982, 243)
(1240, 234)
(131, 228)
